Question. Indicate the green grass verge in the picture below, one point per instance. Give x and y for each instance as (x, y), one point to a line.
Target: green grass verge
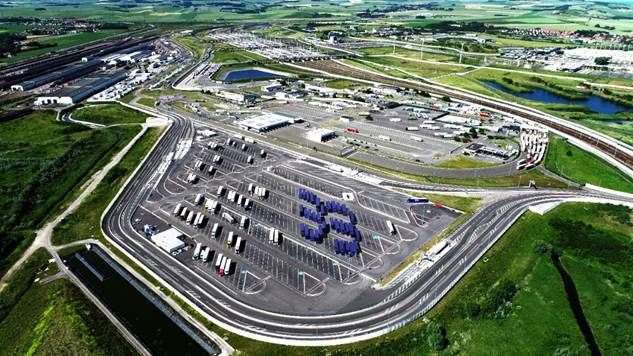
(583, 167)
(195, 44)
(423, 69)
(464, 162)
(467, 205)
(518, 180)
(343, 84)
(109, 114)
(44, 161)
(84, 222)
(229, 55)
(147, 101)
(53, 318)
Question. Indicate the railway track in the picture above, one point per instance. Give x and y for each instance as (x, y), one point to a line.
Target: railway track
(616, 151)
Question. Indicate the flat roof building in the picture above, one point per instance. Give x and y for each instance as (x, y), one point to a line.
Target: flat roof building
(169, 240)
(81, 90)
(320, 134)
(265, 122)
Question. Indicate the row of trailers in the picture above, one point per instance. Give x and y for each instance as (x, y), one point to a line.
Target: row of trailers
(534, 144)
(223, 264)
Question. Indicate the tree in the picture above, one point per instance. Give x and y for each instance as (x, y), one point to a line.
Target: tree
(436, 336)
(602, 61)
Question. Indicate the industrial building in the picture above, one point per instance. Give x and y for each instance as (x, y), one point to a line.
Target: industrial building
(265, 122)
(240, 98)
(82, 89)
(320, 134)
(169, 240)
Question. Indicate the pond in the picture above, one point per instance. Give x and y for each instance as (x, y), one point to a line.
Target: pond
(594, 103)
(248, 74)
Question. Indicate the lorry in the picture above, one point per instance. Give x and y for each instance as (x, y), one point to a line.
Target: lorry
(196, 251)
(198, 199)
(391, 227)
(215, 230)
(230, 238)
(204, 255)
(218, 261)
(177, 209)
(238, 244)
(226, 216)
(244, 222)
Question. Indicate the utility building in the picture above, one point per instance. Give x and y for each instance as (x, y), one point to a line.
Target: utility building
(169, 240)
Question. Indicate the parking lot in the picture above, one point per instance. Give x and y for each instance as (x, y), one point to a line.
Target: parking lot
(294, 269)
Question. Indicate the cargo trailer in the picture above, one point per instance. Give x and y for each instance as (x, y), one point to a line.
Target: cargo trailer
(196, 251)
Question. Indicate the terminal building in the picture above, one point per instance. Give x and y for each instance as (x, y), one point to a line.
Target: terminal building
(265, 122)
(169, 240)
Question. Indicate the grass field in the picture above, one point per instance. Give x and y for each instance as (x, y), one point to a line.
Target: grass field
(517, 180)
(147, 101)
(423, 69)
(465, 204)
(229, 55)
(582, 167)
(53, 318)
(109, 114)
(84, 222)
(195, 44)
(61, 42)
(43, 162)
(464, 162)
(343, 84)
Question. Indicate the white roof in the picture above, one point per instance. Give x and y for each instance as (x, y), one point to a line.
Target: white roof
(320, 132)
(264, 121)
(169, 240)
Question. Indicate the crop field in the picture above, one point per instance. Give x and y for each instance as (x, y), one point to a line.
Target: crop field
(44, 161)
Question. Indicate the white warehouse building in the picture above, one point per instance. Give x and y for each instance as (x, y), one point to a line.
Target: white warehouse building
(169, 240)
(265, 122)
(320, 134)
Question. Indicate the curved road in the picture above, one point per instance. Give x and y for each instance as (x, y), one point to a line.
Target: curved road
(412, 298)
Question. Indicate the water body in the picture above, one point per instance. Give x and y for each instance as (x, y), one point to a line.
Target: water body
(594, 103)
(155, 324)
(248, 74)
